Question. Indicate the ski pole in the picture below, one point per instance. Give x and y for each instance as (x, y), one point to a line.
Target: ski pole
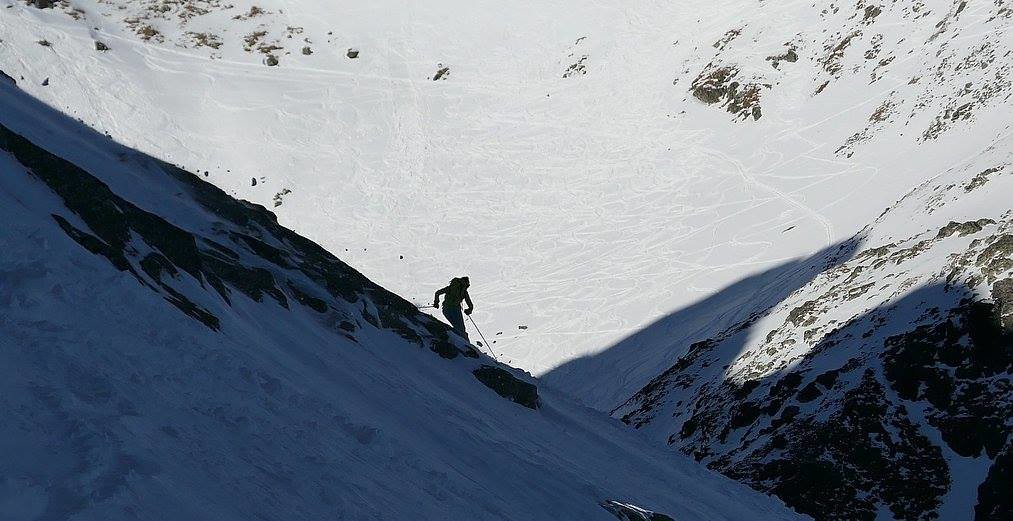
(483, 337)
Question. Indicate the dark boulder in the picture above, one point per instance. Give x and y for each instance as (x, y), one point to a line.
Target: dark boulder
(508, 386)
(442, 72)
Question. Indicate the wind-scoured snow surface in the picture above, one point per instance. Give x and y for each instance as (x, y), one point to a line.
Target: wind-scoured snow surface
(170, 353)
(563, 160)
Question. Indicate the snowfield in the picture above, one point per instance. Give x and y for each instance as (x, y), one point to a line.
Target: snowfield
(774, 236)
(538, 186)
(171, 353)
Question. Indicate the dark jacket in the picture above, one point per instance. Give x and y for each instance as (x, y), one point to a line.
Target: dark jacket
(455, 293)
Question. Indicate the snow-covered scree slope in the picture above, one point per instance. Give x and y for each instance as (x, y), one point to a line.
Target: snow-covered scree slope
(881, 388)
(592, 166)
(169, 352)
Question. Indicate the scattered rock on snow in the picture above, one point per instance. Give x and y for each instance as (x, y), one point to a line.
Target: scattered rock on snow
(99, 46)
(279, 195)
(204, 39)
(254, 12)
(442, 72)
(307, 51)
(271, 60)
(352, 53)
(789, 56)
(577, 68)
(148, 33)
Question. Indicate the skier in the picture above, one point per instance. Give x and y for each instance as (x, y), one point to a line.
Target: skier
(455, 292)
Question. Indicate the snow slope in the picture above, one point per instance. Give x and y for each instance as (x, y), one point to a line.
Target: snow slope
(563, 163)
(649, 188)
(171, 353)
(880, 387)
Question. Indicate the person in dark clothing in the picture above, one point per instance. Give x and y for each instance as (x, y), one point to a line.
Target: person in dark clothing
(454, 293)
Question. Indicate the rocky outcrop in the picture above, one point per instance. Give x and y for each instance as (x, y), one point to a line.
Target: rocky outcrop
(718, 86)
(249, 256)
(1002, 294)
(508, 385)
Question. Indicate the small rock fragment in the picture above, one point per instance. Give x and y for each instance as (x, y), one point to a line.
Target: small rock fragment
(442, 72)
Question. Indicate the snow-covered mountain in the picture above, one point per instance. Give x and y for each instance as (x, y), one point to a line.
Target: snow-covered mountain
(563, 142)
(172, 353)
(669, 210)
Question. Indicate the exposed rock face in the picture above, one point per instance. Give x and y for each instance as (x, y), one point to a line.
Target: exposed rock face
(962, 229)
(1002, 293)
(994, 500)
(961, 366)
(718, 86)
(837, 468)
